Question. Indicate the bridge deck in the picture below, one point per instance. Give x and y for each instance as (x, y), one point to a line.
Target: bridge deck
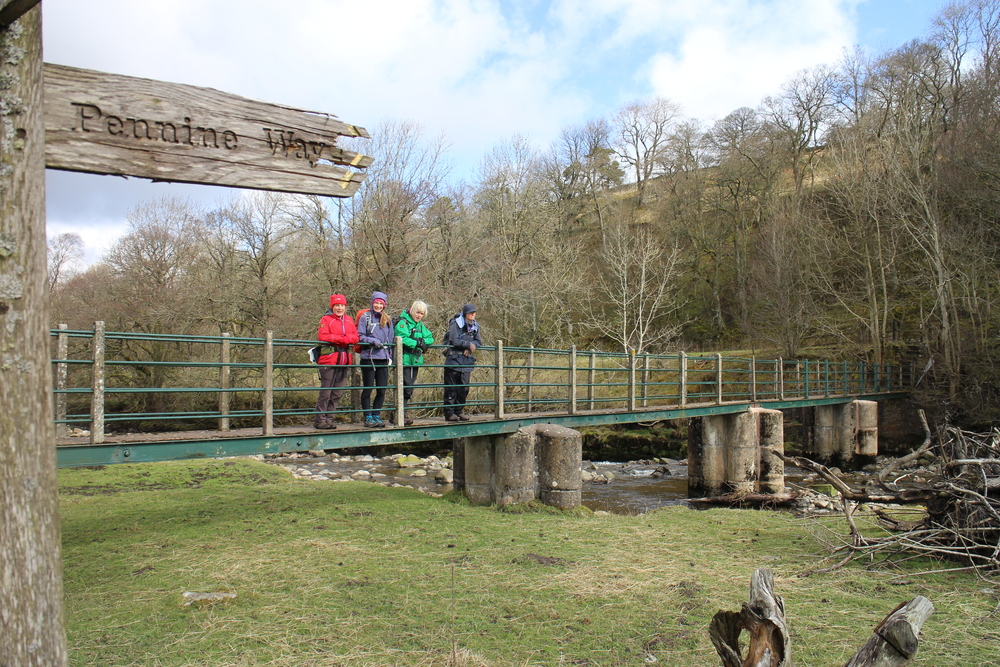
(135, 447)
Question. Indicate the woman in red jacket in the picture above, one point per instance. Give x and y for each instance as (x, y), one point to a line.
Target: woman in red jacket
(336, 331)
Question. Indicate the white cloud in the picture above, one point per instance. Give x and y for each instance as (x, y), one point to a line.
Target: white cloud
(477, 71)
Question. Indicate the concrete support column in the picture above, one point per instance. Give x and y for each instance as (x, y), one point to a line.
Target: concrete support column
(736, 453)
(742, 452)
(515, 478)
(772, 442)
(479, 467)
(826, 432)
(843, 431)
(866, 437)
(559, 453)
(709, 454)
(537, 462)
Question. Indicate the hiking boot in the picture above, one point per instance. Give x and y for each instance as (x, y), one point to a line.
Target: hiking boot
(462, 418)
(407, 421)
(372, 422)
(325, 426)
(452, 418)
(378, 421)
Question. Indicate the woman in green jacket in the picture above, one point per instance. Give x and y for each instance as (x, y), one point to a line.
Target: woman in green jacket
(416, 339)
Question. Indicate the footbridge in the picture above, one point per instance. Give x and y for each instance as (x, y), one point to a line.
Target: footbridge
(128, 396)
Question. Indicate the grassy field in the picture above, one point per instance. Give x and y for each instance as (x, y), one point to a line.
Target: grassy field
(329, 574)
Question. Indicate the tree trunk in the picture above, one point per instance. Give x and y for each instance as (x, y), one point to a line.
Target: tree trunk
(31, 592)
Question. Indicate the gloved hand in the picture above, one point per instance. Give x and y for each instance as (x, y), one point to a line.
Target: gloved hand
(378, 345)
(422, 346)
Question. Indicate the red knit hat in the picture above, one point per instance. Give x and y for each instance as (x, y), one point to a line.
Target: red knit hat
(338, 298)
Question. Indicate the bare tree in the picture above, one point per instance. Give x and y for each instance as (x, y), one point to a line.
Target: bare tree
(641, 130)
(65, 253)
(636, 289)
(387, 216)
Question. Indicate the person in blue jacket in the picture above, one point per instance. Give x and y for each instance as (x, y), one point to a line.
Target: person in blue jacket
(461, 341)
(375, 334)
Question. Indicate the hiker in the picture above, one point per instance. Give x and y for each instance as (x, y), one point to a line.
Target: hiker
(337, 333)
(376, 336)
(461, 342)
(417, 338)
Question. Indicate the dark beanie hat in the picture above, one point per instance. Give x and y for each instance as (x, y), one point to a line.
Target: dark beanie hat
(468, 308)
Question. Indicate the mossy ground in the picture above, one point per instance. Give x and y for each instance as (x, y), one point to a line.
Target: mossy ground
(329, 574)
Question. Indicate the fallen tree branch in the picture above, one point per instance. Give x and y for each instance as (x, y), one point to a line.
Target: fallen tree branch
(905, 460)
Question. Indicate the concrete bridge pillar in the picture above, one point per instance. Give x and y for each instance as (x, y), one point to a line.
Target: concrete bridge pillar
(543, 461)
(736, 453)
(843, 431)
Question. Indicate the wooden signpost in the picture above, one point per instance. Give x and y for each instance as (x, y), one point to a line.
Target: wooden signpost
(126, 126)
(104, 124)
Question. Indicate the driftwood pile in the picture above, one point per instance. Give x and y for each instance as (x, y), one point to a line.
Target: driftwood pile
(892, 644)
(961, 493)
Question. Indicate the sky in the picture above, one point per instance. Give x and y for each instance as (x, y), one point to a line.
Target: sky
(477, 72)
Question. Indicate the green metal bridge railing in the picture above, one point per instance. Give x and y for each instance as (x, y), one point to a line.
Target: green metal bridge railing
(150, 379)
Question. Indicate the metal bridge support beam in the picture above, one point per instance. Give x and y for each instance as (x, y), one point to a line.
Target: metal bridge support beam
(537, 462)
(736, 453)
(843, 431)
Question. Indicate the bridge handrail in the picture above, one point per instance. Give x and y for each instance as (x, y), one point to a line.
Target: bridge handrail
(529, 378)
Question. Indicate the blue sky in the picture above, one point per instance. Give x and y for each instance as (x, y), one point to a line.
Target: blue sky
(475, 71)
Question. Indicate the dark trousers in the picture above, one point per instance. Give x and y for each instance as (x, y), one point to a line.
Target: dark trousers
(409, 379)
(456, 389)
(331, 379)
(374, 375)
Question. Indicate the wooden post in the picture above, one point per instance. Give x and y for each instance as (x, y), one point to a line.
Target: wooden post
(631, 380)
(591, 378)
(529, 377)
(501, 387)
(268, 399)
(62, 375)
(31, 595)
(398, 361)
(682, 361)
(224, 360)
(779, 378)
(572, 379)
(645, 379)
(718, 378)
(97, 386)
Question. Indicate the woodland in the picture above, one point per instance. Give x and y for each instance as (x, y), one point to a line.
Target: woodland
(854, 214)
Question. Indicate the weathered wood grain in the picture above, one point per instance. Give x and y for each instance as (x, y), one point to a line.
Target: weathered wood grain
(12, 10)
(127, 126)
(31, 595)
(895, 640)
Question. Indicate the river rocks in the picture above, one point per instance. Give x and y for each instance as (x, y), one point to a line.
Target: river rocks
(419, 472)
(317, 453)
(361, 474)
(409, 461)
(444, 476)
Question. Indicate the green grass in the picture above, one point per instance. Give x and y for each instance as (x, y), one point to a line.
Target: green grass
(330, 574)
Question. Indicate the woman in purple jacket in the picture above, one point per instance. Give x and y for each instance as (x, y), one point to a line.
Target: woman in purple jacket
(375, 333)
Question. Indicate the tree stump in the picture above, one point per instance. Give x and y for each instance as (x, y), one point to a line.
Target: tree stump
(892, 644)
(763, 617)
(894, 641)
